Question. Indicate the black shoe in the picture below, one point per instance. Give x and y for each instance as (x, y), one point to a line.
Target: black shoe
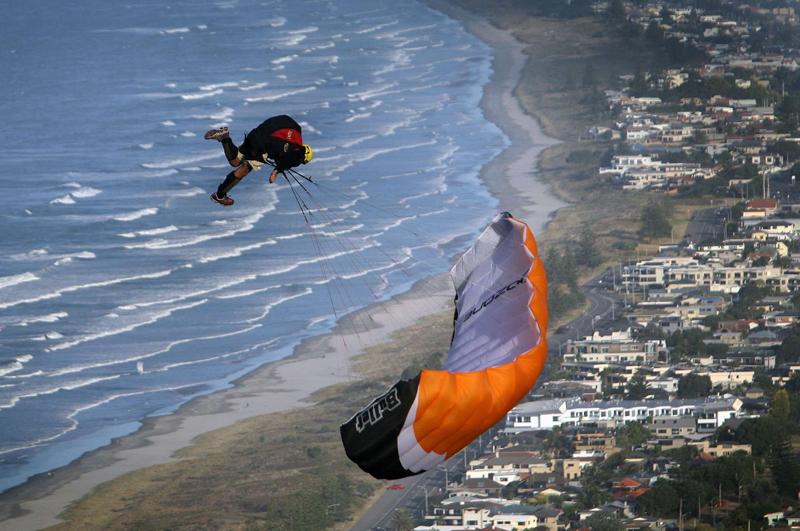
(217, 134)
(224, 200)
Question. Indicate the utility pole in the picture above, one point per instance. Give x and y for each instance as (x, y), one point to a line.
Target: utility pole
(680, 515)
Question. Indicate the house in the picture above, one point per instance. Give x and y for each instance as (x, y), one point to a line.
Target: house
(614, 347)
(673, 426)
(760, 208)
(547, 414)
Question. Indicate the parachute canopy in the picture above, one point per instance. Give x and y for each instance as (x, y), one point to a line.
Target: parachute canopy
(497, 352)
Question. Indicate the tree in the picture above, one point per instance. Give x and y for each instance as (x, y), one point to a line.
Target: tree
(401, 521)
(588, 255)
(785, 468)
(637, 387)
(779, 406)
(655, 223)
(616, 11)
(632, 435)
(603, 522)
(790, 348)
(662, 500)
(694, 386)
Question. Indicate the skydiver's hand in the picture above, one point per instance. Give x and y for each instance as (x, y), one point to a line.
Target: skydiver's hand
(273, 176)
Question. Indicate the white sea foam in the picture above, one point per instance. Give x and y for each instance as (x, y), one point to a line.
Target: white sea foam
(53, 335)
(246, 224)
(188, 134)
(254, 86)
(279, 95)
(48, 318)
(68, 258)
(63, 200)
(170, 31)
(247, 293)
(306, 30)
(238, 251)
(284, 59)
(15, 365)
(311, 129)
(13, 280)
(373, 29)
(354, 117)
(140, 357)
(85, 191)
(357, 141)
(136, 214)
(191, 294)
(149, 145)
(224, 113)
(268, 308)
(292, 40)
(201, 95)
(167, 123)
(133, 326)
(69, 289)
(215, 86)
(74, 423)
(183, 161)
(71, 386)
(371, 93)
(277, 22)
(149, 232)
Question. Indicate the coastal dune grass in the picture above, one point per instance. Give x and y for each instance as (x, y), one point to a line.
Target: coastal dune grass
(282, 471)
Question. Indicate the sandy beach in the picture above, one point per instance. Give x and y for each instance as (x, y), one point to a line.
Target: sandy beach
(318, 362)
(511, 175)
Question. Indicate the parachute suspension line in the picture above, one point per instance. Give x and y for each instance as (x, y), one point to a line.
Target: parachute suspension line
(347, 252)
(294, 173)
(387, 307)
(377, 208)
(357, 231)
(348, 255)
(328, 270)
(320, 255)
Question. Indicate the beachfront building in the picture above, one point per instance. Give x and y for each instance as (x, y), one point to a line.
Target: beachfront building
(709, 413)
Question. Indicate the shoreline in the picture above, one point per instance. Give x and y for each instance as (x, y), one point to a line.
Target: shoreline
(317, 363)
(511, 176)
(320, 361)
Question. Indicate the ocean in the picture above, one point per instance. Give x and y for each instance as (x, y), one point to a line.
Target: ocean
(124, 291)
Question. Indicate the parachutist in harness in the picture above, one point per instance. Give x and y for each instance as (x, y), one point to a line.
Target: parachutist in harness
(278, 141)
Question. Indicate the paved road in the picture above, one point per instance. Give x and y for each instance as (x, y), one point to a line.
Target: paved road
(412, 497)
(706, 224)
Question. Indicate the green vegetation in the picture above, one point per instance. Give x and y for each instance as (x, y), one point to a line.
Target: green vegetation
(655, 221)
(694, 386)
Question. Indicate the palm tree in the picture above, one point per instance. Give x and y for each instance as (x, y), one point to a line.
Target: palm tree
(401, 521)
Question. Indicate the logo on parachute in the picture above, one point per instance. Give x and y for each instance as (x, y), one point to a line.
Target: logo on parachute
(373, 413)
(493, 298)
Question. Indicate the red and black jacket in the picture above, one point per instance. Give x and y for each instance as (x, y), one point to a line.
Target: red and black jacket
(279, 138)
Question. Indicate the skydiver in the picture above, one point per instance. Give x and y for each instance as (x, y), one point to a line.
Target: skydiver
(277, 141)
